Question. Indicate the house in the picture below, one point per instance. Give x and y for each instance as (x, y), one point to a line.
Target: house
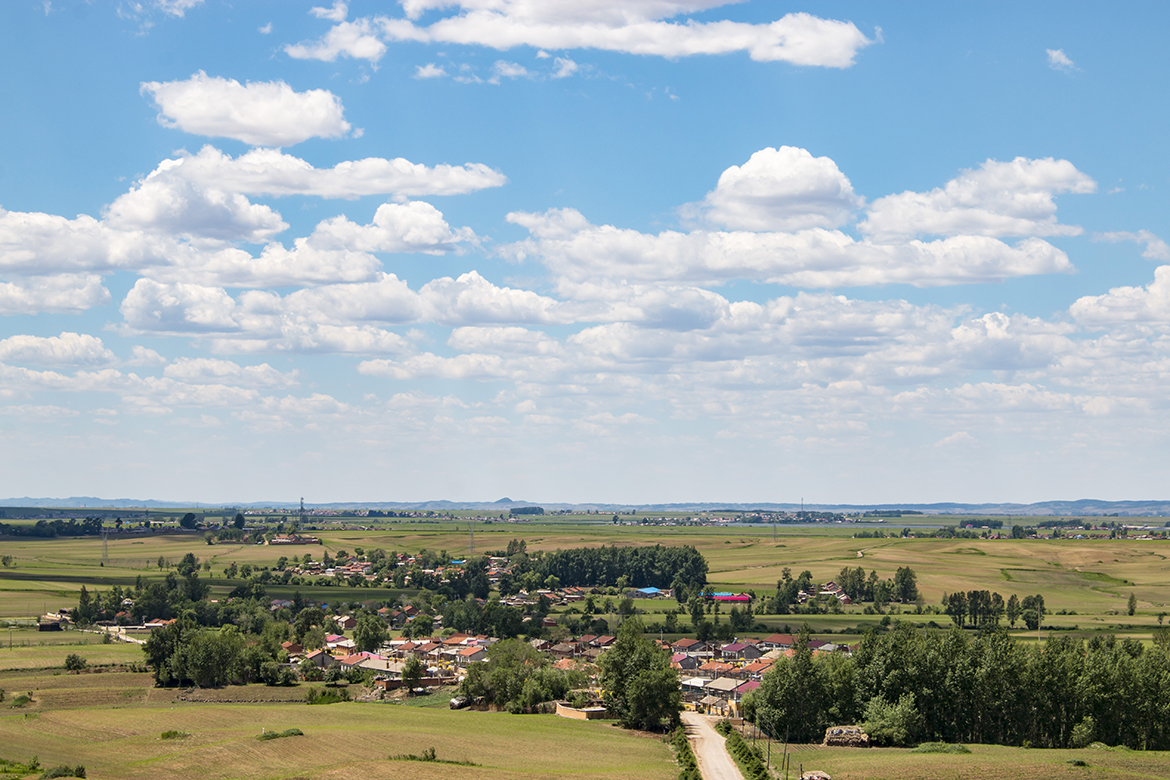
(687, 645)
(292, 648)
(684, 661)
(345, 622)
(470, 655)
(714, 669)
(563, 650)
(782, 641)
(320, 658)
(740, 651)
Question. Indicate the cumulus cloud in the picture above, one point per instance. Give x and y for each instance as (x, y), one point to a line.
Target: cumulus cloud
(357, 40)
(176, 7)
(68, 349)
(611, 25)
(507, 70)
(782, 189)
(58, 293)
(565, 67)
(997, 199)
(166, 202)
(1156, 248)
(1058, 60)
(579, 252)
(272, 172)
(212, 371)
(263, 113)
(1148, 306)
(429, 71)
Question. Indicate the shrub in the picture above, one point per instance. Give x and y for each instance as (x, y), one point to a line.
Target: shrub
(428, 755)
(1082, 733)
(941, 747)
(279, 734)
(74, 663)
(892, 724)
(174, 735)
(328, 696)
(64, 771)
(685, 755)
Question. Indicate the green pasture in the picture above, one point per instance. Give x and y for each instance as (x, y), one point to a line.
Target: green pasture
(25, 648)
(984, 762)
(1093, 578)
(112, 724)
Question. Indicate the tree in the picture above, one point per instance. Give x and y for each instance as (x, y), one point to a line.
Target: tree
(74, 663)
(368, 634)
(905, 585)
(412, 674)
(238, 522)
(1132, 605)
(1033, 611)
(638, 683)
(187, 520)
(1013, 610)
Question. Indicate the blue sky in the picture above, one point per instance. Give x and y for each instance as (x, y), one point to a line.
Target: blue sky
(652, 250)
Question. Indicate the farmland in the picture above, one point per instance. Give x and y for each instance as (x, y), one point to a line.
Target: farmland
(109, 718)
(111, 723)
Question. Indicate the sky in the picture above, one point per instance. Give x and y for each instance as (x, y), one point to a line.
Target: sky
(612, 251)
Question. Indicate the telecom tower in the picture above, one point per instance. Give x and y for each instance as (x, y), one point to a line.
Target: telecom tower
(302, 518)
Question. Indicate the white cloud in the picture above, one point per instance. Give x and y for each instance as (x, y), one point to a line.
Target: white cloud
(611, 25)
(266, 29)
(578, 252)
(397, 227)
(1156, 248)
(61, 293)
(565, 67)
(997, 199)
(357, 40)
(503, 340)
(263, 113)
(782, 189)
(176, 7)
(430, 366)
(145, 356)
(429, 71)
(507, 70)
(212, 371)
(178, 308)
(958, 438)
(336, 13)
(1144, 306)
(68, 349)
(1058, 60)
(167, 202)
(272, 172)
(471, 299)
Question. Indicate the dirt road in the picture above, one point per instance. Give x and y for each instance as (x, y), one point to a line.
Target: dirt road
(714, 761)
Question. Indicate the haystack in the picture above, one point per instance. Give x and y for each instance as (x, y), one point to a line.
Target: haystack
(815, 774)
(846, 736)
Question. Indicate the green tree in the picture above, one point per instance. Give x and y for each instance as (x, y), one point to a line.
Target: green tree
(905, 585)
(1013, 610)
(639, 685)
(412, 674)
(238, 522)
(369, 634)
(1131, 607)
(74, 663)
(188, 520)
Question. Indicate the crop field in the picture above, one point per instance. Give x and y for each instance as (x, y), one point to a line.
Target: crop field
(984, 762)
(112, 724)
(1091, 577)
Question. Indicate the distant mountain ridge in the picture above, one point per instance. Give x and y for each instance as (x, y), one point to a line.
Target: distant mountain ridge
(1040, 508)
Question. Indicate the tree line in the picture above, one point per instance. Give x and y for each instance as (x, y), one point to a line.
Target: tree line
(641, 567)
(909, 686)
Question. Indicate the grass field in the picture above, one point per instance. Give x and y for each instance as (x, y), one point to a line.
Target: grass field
(984, 762)
(112, 723)
(1094, 578)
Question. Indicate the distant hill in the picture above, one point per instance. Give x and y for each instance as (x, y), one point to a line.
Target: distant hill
(1041, 508)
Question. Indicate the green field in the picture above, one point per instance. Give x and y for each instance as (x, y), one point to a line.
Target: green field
(1093, 577)
(111, 723)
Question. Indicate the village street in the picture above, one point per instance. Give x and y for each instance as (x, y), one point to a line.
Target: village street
(714, 761)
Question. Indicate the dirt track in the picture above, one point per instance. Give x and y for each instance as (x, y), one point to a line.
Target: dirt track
(714, 761)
